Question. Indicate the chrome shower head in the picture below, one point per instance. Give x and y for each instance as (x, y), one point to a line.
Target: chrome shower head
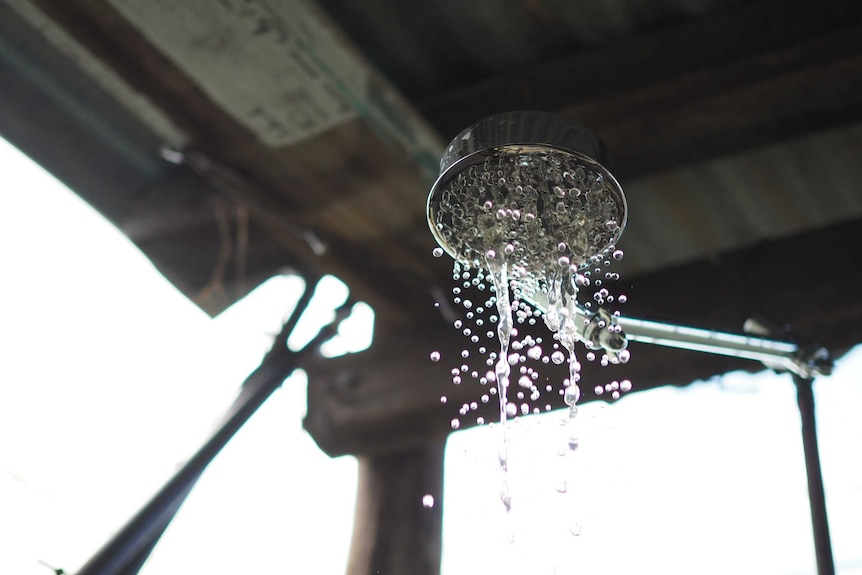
(529, 186)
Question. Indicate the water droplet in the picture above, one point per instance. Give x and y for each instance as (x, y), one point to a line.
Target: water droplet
(622, 298)
(558, 357)
(626, 385)
(428, 501)
(455, 423)
(618, 255)
(435, 356)
(443, 399)
(507, 503)
(437, 252)
(465, 353)
(572, 395)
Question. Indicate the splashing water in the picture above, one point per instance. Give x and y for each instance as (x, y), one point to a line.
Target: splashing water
(533, 227)
(502, 369)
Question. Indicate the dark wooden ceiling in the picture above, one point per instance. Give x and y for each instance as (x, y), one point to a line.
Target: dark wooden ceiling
(735, 128)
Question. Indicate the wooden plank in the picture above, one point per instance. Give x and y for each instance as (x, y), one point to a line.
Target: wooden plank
(352, 188)
(388, 398)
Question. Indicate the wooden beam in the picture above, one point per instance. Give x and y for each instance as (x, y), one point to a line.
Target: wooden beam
(358, 186)
(396, 528)
(729, 81)
(388, 398)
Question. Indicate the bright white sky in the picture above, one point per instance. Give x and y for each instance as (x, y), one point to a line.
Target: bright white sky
(109, 378)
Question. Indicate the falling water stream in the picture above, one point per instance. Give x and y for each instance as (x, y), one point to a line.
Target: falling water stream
(535, 228)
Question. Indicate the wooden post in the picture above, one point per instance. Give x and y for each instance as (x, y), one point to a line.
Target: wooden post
(395, 529)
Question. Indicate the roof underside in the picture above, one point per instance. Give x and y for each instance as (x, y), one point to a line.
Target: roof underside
(309, 134)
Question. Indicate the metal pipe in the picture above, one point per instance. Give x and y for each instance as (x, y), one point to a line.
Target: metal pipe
(141, 532)
(780, 355)
(127, 551)
(816, 494)
(803, 364)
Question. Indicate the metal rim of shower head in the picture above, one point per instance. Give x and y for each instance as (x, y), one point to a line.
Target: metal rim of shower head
(532, 132)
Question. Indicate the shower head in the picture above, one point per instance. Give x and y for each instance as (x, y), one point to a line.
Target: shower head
(530, 186)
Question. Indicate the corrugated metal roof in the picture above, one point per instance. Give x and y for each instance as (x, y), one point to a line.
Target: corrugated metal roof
(739, 200)
(429, 47)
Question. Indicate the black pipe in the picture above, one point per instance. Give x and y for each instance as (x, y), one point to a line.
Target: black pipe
(127, 551)
(151, 521)
(816, 493)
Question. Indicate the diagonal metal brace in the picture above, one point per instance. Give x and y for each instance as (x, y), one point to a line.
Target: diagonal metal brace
(127, 551)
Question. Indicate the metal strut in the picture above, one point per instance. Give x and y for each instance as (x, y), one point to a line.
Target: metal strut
(127, 551)
(816, 494)
(601, 330)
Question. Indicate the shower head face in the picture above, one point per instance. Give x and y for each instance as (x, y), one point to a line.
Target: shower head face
(527, 187)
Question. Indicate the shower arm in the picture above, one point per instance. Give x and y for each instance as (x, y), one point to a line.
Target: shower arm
(805, 363)
(597, 333)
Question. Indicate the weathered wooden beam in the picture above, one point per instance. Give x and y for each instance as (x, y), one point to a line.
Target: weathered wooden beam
(357, 185)
(388, 398)
(396, 528)
(735, 79)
